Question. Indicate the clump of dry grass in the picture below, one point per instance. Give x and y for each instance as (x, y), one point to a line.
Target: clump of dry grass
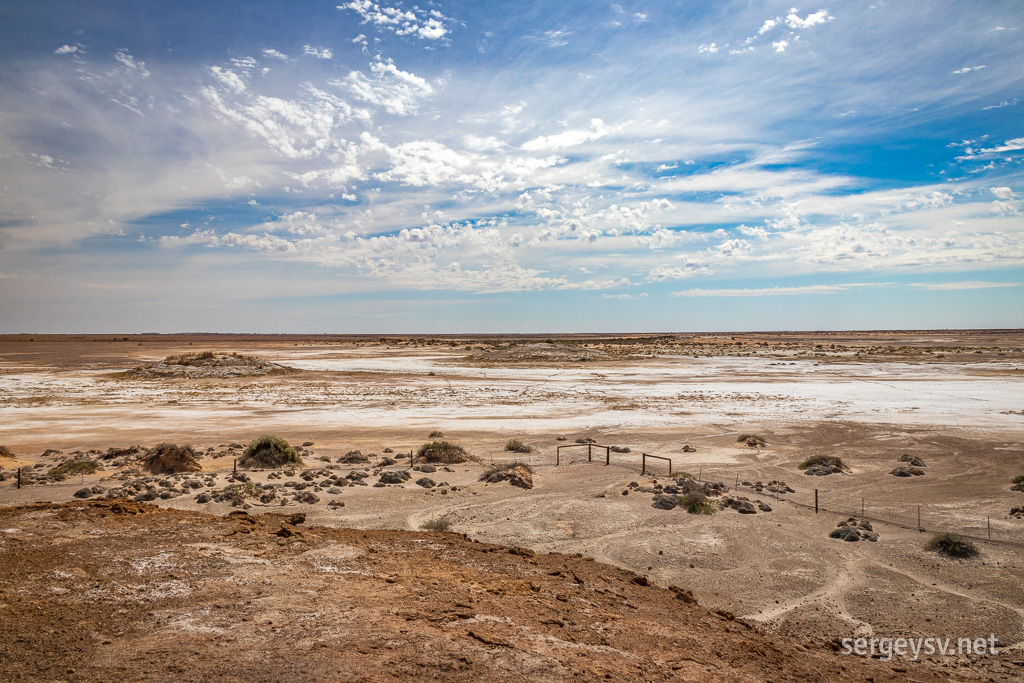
(170, 458)
(517, 446)
(436, 524)
(830, 460)
(443, 452)
(951, 545)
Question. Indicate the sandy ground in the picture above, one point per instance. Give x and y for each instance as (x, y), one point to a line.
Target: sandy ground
(954, 400)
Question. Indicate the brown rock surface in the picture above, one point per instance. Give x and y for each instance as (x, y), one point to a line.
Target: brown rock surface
(114, 590)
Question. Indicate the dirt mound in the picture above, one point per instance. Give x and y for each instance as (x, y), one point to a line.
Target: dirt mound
(517, 474)
(209, 364)
(539, 353)
(170, 458)
(229, 598)
(853, 530)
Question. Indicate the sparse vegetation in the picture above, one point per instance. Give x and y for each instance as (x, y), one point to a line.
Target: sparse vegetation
(696, 503)
(170, 458)
(829, 460)
(443, 452)
(1019, 479)
(517, 446)
(951, 545)
(752, 440)
(436, 524)
(73, 467)
(436, 434)
(238, 493)
(270, 451)
(5, 452)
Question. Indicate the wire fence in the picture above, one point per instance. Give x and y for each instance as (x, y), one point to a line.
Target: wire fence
(946, 517)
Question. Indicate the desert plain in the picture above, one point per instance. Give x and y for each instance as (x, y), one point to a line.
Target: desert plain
(99, 585)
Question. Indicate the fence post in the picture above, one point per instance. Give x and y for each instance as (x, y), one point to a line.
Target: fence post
(643, 460)
(862, 507)
(919, 518)
(590, 452)
(815, 501)
(988, 520)
(19, 477)
(700, 472)
(737, 481)
(234, 466)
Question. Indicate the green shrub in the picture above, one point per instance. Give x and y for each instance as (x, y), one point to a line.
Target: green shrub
(830, 460)
(270, 451)
(517, 446)
(951, 545)
(436, 524)
(443, 452)
(696, 503)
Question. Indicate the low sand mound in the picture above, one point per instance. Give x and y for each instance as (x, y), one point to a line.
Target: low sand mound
(539, 353)
(170, 458)
(516, 473)
(209, 364)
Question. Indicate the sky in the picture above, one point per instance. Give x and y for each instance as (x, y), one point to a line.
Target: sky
(477, 166)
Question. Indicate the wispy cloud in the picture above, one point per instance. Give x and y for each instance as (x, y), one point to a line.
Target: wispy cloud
(768, 291)
(949, 286)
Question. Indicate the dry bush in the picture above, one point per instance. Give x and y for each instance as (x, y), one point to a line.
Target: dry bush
(269, 451)
(443, 452)
(169, 458)
(830, 460)
(951, 545)
(517, 446)
(436, 524)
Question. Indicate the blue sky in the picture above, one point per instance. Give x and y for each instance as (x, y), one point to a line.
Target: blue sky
(359, 166)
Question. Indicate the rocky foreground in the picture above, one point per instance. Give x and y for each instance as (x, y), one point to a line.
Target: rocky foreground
(120, 590)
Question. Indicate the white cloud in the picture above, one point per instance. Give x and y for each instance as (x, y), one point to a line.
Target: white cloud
(125, 58)
(794, 21)
(275, 54)
(768, 25)
(948, 286)
(1002, 192)
(397, 92)
(969, 69)
(318, 52)
(415, 22)
(708, 48)
(568, 138)
(66, 50)
(780, 45)
(625, 297)
(229, 79)
(770, 291)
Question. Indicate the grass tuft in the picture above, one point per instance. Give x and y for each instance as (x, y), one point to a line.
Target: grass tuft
(1019, 479)
(517, 446)
(436, 434)
(830, 460)
(696, 503)
(751, 439)
(951, 545)
(436, 524)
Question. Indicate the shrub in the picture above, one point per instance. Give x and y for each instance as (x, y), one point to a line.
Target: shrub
(1019, 479)
(72, 467)
(436, 524)
(830, 460)
(951, 545)
(269, 451)
(696, 503)
(444, 452)
(517, 446)
(236, 494)
(6, 453)
(436, 434)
